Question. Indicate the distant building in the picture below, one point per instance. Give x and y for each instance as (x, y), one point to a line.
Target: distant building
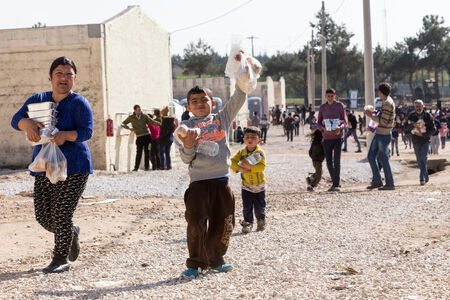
(121, 62)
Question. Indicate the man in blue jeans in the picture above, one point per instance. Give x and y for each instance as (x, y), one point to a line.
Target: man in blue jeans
(423, 129)
(380, 143)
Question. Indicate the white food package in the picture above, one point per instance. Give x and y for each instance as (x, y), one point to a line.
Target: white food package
(242, 67)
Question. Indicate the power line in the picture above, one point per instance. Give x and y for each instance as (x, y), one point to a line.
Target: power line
(342, 3)
(304, 31)
(297, 38)
(213, 19)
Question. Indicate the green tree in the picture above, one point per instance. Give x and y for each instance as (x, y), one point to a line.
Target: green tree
(292, 66)
(409, 59)
(197, 57)
(435, 41)
(342, 60)
(39, 25)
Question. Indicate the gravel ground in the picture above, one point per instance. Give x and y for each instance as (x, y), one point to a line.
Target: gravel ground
(135, 248)
(285, 160)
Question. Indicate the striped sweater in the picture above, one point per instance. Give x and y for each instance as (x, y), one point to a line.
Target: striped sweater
(386, 118)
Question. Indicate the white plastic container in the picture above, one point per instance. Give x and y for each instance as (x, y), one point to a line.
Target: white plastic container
(41, 106)
(255, 158)
(41, 113)
(208, 148)
(45, 119)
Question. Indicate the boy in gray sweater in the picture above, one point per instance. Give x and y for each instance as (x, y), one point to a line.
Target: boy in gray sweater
(208, 199)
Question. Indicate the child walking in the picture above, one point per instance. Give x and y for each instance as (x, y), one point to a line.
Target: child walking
(317, 155)
(253, 179)
(209, 200)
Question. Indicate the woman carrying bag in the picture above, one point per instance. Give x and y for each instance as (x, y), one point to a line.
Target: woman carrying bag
(55, 204)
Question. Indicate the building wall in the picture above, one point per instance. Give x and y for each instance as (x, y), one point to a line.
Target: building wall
(121, 62)
(137, 71)
(220, 86)
(25, 59)
(280, 93)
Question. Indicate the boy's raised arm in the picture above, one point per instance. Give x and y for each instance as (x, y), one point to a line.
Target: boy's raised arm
(232, 108)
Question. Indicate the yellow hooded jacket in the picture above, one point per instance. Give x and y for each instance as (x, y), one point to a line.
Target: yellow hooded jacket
(256, 175)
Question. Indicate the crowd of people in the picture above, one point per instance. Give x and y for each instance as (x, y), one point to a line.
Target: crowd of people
(211, 221)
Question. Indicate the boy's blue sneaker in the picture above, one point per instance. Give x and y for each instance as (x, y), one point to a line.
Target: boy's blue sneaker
(224, 268)
(190, 273)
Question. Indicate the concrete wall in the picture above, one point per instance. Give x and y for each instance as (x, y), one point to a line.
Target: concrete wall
(137, 71)
(25, 58)
(220, 86)
(280, 93)
(265, 90)
(121, 62)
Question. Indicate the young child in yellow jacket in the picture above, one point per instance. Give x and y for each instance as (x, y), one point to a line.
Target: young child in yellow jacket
(253, 179)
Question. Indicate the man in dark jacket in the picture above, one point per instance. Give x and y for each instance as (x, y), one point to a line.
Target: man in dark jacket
(352, 126)
(289, 124)
(422, 126)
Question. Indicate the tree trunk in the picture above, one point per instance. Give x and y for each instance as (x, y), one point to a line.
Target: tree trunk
(436, 83)
(305, 89)
(411, 89)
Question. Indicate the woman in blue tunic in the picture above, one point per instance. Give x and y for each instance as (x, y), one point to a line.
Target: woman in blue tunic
(55, 203)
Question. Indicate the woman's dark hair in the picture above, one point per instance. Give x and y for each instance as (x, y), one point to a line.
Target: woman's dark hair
(385, 88)
(62, 61)
(253, 129)
(315, 137)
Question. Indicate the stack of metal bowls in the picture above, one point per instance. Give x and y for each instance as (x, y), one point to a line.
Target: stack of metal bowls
(44, 113)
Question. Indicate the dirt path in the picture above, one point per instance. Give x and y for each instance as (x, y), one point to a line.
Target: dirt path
(398, 241)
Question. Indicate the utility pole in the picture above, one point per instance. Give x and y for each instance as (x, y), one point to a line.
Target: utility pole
(324, 55)
(313, 72)
(252, 38)
(369, 90)
(308, 76)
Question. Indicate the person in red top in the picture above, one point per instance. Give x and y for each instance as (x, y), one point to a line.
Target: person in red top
(154, 150)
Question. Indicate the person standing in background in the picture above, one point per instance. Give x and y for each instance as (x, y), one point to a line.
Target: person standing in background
(289, 124)
(360, 124)
(435, 139)
(166, 138)
(139, 122)
(154, 149)
(255, 120)
(421, 126)
(351, 130)
(264, 125)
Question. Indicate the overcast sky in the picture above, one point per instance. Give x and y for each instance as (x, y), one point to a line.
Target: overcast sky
(281, 25)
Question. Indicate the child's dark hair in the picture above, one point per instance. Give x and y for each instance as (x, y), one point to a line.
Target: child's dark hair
(62, 61)
(252, 129)
(199, 90)
(315, 137)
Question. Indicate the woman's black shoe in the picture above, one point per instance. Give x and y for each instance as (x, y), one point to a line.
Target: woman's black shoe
(75, 247)
(57, 265)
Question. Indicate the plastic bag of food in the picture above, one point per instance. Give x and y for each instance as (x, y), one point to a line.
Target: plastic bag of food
(243, 68)
(52, 161)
